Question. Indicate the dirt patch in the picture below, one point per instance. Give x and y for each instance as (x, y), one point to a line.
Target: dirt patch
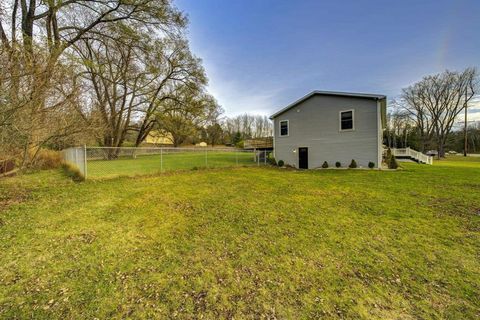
(453, 207)
(468, 213)
(84, 237)
(12, 197)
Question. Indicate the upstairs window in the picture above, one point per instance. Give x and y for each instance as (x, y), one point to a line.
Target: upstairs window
(346, 120)
(283, 128)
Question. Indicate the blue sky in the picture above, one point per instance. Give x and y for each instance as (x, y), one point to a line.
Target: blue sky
(261, 55)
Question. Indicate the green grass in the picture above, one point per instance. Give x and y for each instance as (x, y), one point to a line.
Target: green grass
(244, 243)
(152, 164)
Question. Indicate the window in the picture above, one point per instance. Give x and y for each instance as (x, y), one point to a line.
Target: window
(284, 128)
(346, 120)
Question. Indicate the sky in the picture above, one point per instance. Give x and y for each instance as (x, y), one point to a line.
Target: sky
(261, 55)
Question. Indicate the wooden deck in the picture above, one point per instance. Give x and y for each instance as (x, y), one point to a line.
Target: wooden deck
(259, 143)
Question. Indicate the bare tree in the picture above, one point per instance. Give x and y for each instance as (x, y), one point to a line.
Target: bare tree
(435, 102)
(186, 114)
(26, 127)
(248, 126)
(37, 41)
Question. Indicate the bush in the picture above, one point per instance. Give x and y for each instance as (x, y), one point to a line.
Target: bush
(392, 163)
(47, 159)
(325, 165)
(338, 164)
(280, 163)
(353, 164)
(72, 172)
(388, 156)
(371, 165)
(271, 159)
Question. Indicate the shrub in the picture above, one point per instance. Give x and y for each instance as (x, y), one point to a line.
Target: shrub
(392, 163)
(72, 172)
(47, 159)
(371, 165)
(280, 163)
(338, 164)
(325, 165)
(271, 159)
(388, 156)
(389, 153)
(353, 164)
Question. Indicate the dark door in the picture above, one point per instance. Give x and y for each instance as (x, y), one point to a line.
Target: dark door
(303, 158)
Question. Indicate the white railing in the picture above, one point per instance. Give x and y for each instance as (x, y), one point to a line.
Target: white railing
(413, 154)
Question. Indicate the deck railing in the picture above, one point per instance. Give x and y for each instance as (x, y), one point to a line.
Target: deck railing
(413, 154)
(258, 143)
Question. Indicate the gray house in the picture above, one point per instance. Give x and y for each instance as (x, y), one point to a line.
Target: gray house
(330, 126)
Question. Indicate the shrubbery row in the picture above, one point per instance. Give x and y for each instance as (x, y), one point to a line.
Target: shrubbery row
(352, 165)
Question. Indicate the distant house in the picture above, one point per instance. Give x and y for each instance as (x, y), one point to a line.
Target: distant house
(432, 153)
(159, 137)
(330, 126)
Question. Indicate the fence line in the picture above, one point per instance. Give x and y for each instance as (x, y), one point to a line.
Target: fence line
(102, 162)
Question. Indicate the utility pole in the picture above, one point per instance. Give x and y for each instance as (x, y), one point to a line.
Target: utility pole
(465, 128)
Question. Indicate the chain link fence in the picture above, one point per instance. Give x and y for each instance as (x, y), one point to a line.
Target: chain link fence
(107, 162)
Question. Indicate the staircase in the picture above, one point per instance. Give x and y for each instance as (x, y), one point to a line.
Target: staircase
(407, 153)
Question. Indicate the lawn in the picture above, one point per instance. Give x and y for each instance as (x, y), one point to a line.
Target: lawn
(171, 161)
(244, 242)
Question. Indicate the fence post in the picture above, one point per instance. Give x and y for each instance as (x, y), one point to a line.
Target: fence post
(85, 161)
(265, 157)
(161, 160)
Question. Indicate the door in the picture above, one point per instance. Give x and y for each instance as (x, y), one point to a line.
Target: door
(303, 158)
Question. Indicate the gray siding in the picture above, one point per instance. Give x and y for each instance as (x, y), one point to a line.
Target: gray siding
(314, 123)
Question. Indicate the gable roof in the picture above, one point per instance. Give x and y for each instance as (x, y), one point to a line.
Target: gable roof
(382, 98)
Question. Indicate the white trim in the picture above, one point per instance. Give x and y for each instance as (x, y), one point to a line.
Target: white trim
(274, 137)
(329, 93)
(280, 128)
(380, 135)
(340, 120)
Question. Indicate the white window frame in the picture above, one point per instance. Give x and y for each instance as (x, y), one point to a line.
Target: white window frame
(280, 128)
(340, 120)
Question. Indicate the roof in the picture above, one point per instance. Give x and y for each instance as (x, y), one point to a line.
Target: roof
(381, 97)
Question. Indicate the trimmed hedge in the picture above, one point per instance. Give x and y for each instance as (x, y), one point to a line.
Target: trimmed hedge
(353, 164)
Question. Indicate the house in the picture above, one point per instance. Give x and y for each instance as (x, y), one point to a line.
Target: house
(330, 126)
(159, 137)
